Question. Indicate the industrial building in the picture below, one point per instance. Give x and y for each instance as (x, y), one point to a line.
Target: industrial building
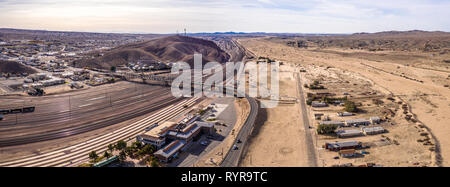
(357, 122)
(337, 146)
(157, 135)
(337, 123)
(349, 133)
(373, 130)
(375, 120)
(319, 104)
(171, 137)
(170, 151)
(347, 153)
(343, 114)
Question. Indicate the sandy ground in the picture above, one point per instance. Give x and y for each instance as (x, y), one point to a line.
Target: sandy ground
(242, 110)
(279, 139)
(408, 151)
(429, 100)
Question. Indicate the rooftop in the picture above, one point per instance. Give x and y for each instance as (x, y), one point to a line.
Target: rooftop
(159, 130)
(343, 144)
(171, 149)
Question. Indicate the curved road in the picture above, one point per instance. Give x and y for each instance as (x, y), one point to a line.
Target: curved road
(232, 157)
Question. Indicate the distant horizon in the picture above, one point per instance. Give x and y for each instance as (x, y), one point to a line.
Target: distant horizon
(218, 32)
(269, 16)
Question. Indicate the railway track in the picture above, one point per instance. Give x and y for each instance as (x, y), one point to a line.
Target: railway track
(74, 154)
(76, 114)
(100, 123)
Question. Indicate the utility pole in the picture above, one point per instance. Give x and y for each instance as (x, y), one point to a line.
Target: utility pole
(185, 34)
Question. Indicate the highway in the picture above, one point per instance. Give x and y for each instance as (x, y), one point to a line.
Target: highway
(64, 115)
(78, 153)
(233, 157)
(311, 151)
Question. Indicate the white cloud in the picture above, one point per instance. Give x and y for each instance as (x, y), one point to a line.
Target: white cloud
(167, 16)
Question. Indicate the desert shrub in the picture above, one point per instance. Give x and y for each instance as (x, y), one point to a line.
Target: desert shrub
(350, 106)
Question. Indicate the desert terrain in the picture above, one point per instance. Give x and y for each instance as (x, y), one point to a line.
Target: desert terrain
(418, 78)
(279, 136)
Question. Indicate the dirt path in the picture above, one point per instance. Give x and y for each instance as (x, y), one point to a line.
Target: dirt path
(430, 100)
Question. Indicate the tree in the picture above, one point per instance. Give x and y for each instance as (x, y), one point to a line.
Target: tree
(113, 68)
(93, 156)
(137, 144)
(110, 148)
(350, 106)
(326, 129)
(146, 150)
(121, 145)
(107, 154)
(154, 163)
(316, 82)
(129, 151)
(122, 156)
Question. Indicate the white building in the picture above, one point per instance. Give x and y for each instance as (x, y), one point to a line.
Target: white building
(373, 130)
(349, 133)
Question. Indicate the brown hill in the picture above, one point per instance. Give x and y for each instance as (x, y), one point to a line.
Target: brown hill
(14, 68)
(165, 49)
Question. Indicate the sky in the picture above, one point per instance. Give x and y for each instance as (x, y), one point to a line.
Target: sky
(170, 16)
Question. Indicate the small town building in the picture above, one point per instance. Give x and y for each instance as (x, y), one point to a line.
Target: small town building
(375, 120)
(343, 114)
(337, 123)
(347, 153)
(336, 146)
(349, 133)
(171, 150)
(357, 122)
(318, 116)
(373, 130)
(157, 135)
(318, 104)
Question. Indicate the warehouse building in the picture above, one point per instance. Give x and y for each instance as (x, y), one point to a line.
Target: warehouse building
(357, 122)
(348, 153)
(319, 104)
(171, 150)
(375, 120)
(349, 133)
(337, 146)
(337, 123)
(373, 130)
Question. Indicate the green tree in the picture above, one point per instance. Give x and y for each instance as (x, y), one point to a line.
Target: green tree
(93, 156)
(107, 154)
(122, 156)
(146, 150)
(154, 163)
(121, 145)
(137, 144)
(113, 68)
(110, 148)
(350, 106)
(326, 129)
(129, 151)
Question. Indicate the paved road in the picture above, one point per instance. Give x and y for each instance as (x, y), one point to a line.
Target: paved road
(78, 153)
(89, 110)
(312, 159)
(233, 156)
